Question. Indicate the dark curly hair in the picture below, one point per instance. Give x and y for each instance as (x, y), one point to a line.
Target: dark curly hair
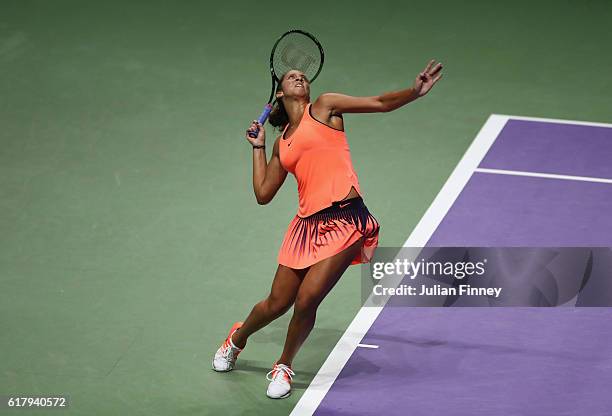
(278, 116)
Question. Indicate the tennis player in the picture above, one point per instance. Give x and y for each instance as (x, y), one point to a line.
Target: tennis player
(332, 229)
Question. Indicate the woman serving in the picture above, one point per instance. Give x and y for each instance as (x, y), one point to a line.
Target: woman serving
(332, 229)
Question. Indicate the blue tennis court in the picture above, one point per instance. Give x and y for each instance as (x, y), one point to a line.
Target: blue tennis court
(522, 182)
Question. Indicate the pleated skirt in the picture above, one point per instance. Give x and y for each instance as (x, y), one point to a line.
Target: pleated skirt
(328, 232)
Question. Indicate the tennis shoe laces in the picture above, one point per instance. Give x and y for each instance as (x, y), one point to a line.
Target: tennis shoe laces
(280, 381)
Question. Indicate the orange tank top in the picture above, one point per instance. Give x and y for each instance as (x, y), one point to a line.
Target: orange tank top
(319, 157)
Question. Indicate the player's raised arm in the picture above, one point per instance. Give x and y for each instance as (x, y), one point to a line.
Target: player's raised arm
(267, 176)
(389, 101)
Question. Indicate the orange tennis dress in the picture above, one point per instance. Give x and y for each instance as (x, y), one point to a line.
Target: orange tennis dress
(319, 158)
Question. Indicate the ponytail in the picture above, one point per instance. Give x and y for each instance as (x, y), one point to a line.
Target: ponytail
(278, 116)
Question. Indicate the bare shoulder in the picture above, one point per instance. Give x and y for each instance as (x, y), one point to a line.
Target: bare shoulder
(324, 101)
(323, 107)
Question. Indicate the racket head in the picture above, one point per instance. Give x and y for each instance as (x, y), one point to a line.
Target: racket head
(297, 49)
(294, 49)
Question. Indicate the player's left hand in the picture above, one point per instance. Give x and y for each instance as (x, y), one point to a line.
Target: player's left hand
(426, 79)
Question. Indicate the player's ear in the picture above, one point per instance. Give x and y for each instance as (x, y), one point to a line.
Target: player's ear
(279, 95)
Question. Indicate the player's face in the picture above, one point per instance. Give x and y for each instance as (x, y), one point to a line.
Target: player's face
(295, 84)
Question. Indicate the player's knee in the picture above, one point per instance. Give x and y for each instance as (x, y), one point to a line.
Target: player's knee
(306, 305)
(277, 306)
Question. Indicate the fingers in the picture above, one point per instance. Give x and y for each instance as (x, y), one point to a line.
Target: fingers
(436, 69)
(255, 126)
(256, 133)
(428, 67)
(431, 69)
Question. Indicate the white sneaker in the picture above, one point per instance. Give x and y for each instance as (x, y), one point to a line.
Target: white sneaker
(280, 377)
(226, 355)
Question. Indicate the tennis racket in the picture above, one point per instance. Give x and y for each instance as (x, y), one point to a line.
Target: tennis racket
(295, 49)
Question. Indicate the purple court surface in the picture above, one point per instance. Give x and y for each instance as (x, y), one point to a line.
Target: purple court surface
(523, 182)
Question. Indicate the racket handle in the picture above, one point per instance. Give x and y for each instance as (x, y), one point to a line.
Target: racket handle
(262, 119)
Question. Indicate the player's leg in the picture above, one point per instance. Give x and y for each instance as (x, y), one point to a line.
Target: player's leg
(317, 283)
(282, 295)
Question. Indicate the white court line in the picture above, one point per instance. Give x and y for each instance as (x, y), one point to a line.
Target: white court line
(558, 121)
(366, 316)
(543, 175)
(367, 346)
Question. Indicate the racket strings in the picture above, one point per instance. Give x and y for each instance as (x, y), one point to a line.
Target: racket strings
(297, 51)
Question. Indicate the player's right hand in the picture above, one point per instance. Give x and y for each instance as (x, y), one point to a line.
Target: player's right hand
(260, 140)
